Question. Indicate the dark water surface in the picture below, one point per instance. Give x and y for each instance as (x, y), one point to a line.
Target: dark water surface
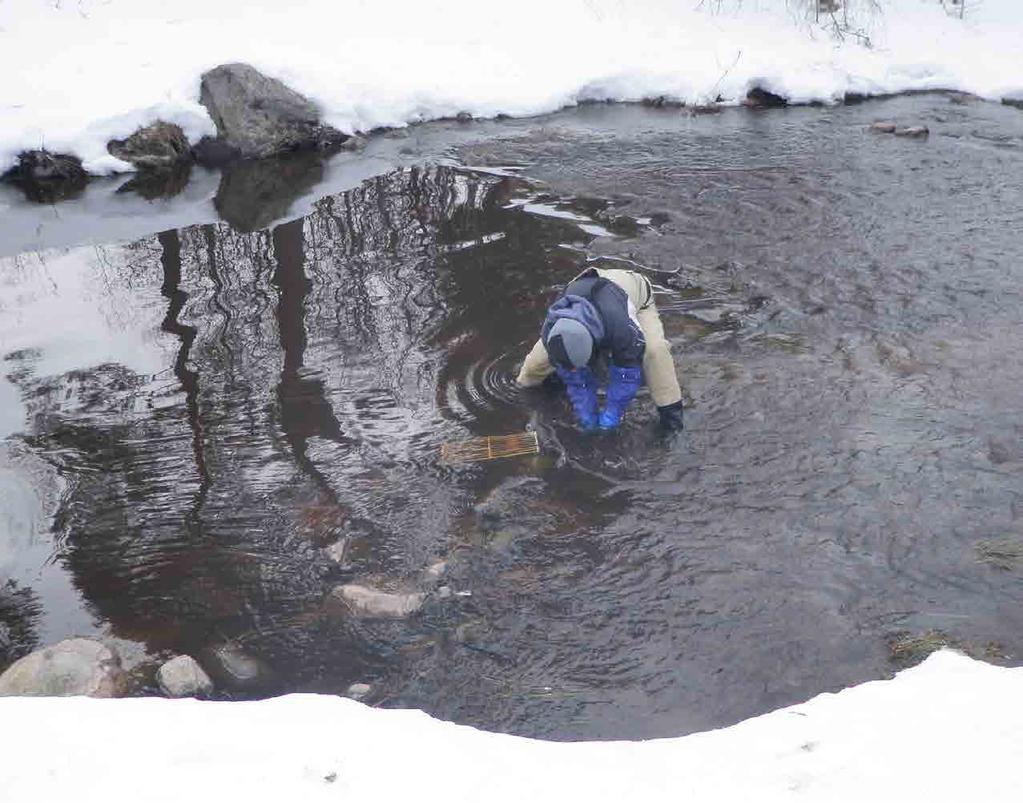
(190, 418)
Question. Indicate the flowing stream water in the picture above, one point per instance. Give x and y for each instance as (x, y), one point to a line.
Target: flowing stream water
(188, 418)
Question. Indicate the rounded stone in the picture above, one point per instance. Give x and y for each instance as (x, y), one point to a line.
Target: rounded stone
(237, 668)
(357, 691)
(70, 668)
(371, 602)
(183, 677)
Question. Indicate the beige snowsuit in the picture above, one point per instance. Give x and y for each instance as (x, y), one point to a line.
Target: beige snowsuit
(658, 366)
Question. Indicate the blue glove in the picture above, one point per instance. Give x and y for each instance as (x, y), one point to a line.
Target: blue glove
(621, 390)
(582, 391)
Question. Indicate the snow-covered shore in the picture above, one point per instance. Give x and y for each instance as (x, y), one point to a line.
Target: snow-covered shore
(949, 729)
(77, 73)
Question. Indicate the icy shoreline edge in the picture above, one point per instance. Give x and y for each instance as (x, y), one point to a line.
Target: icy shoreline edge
(81, 75)
(947, 729)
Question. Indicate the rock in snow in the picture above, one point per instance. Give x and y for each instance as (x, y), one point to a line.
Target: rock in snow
(368, 601)
(73, 667)
(46, 177)
(258, 116)
(759, 98)
(183, 677)
(157, 146)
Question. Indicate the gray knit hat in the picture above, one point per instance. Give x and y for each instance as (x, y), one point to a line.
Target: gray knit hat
(569, 344)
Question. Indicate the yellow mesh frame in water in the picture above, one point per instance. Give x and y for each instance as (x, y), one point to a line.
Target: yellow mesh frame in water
(489, 447)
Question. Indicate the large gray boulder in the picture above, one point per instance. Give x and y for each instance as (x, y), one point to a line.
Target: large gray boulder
(183, 677)
(73, 667)
(159, 146)
(258, 116)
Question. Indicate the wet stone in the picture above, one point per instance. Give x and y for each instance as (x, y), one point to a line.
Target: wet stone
(336, 551)
(913, 132)
(759, 98)
(183, 677)
(435, 571)
(70, 668)
(237, 668)
(504, 504)
(1004, 450)
(371, 602)
(358, 691)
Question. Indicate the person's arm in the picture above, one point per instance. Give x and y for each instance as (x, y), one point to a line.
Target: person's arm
(659, 370)
(628, 346)
(536, 368)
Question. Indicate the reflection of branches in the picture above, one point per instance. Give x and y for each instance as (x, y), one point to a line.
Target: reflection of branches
(19, 614)
(189, 379)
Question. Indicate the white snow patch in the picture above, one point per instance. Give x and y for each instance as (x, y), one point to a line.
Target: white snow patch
(950, 729)
(78, 73)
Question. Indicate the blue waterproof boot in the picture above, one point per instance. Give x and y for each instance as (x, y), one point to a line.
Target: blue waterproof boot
(621, 390)
(582, 391)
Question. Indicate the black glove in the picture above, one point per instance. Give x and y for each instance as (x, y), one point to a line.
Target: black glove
(671, 416)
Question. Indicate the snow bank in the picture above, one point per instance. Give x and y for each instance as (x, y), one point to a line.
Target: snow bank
(949, 729)
(77, 73)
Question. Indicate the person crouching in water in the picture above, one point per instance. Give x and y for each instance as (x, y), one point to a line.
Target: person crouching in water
(608, 312)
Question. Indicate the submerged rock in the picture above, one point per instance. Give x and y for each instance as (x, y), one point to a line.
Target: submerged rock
(759, 98)
(73, 667)
(435, 571)
(259, 116)
(47, 177)
(372, 602)
(157, 146)
(506, 502)
(183, 677)
(883, 127)
(915, 131)
(337, 551)
(237, 668)
(358, 691)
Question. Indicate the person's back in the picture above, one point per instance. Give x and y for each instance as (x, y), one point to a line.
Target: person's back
(608, 312)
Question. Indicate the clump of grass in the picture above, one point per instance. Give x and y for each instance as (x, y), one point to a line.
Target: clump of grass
(1004, 553)
(910, 648)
